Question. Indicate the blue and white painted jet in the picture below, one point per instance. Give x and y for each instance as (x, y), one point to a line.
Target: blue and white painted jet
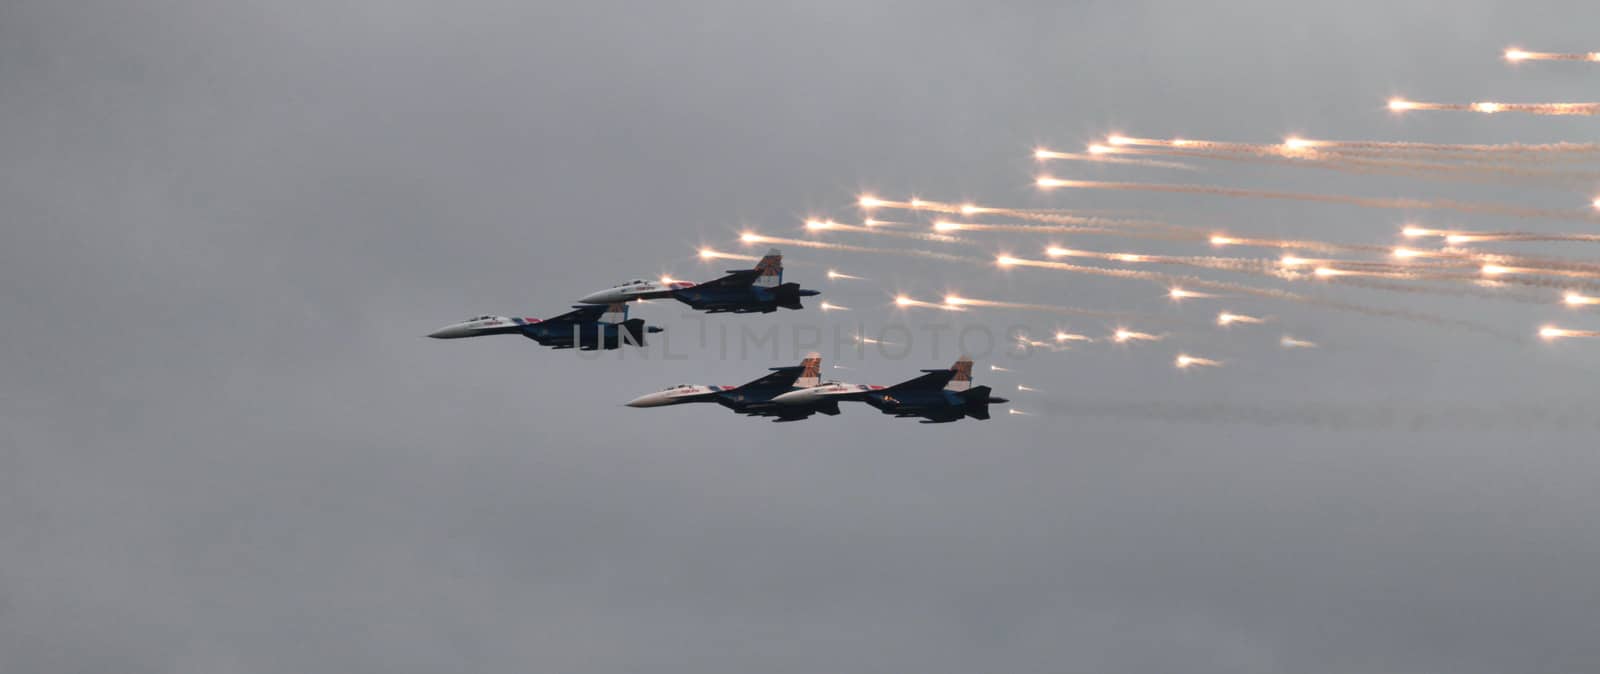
(938, 396)
(755, 398)
(741, 291)
(587, 327)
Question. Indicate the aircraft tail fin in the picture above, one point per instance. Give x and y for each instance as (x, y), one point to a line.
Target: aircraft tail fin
(976, 401)
(616, 312)
(770, 270)
(789, 296)
(811, 374)
(962, 379)
(633, 331)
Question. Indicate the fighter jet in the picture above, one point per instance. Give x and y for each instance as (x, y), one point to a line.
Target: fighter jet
(742, 291)
(587, 327)
(754, 398)
(938, 396)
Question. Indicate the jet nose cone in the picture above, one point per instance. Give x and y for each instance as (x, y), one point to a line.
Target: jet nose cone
(647, 400)
(601, 297)
(453, 331)
(793, 397)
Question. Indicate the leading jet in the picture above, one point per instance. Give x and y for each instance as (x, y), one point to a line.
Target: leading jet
(587, 327)
(938, 396)
(742, 291)
(755, 398)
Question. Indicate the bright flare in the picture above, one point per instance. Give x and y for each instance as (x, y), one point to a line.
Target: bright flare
(714, 254)
(1070, 337)
(1550, 332)
(1123, 336)
(829, 306)
(1576, 300)
(869, 202)
(1187, 361)
(903, 301)
(1291, 343)
(1226, 318)
(1179, 294)
(1293, 143)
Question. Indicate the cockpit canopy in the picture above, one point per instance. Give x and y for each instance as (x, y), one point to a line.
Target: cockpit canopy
(624, 284)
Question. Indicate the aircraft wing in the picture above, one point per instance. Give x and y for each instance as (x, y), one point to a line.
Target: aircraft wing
(931, 380)
(581, 313)
(779, 377)
(738, 278)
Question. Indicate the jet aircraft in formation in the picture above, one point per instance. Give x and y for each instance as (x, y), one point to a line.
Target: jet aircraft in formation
(797, 392)
(587, 327)
(791, 393)
(741, 291)
(601, 320)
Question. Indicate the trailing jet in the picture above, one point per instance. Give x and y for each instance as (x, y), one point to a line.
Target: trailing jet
(587, 327)
(754, 398)
(938, 396)
(742, 291)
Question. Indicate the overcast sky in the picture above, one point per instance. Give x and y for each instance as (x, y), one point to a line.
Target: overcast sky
(228, 448)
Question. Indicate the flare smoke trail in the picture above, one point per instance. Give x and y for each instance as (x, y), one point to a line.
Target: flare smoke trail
(1167, 279)
(1515, 55)
(1491, 107)
(1297, 244)
(1291, 343)
(1338, 416)
(1487, 151)
(713, 254)
(1185, 361)
(1268, 293)
(961, 301)
(1284, 155)
(1340, 271)
(1120, 232)
(1047, 155)
(831, 226)
(1229, 318)
(835, 275)
(1444, 291)
(904, 301)
(1460, 237)
(1550, 332)
(1123, 336)
(1047, 182)
(751, 237)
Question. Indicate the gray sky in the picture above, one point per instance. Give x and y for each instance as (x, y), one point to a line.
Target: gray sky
(228, 448)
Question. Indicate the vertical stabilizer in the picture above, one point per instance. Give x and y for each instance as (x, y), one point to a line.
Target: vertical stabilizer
(963, 375)
(771, 268)
(616, 312)
(811, 375)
